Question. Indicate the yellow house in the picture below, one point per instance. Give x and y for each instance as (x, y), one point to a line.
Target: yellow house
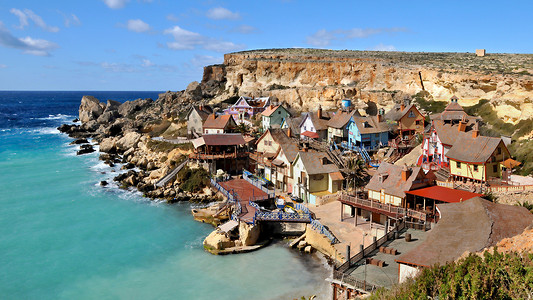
(477, 158)
(390, 182)
(314, 176)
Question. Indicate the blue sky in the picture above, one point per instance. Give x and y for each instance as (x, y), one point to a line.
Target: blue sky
(164, 44)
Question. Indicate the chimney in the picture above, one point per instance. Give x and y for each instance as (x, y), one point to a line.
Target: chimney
(289, 131)
(201, 107)
(381, 112)
(402, 106)
(462, 125)
(475, 131)
(319, 112)
(405, 173)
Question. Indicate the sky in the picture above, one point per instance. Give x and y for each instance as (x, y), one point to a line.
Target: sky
(160, 45)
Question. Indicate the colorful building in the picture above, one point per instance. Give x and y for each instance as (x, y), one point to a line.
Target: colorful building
(314, 125)
(407, 119)
(220, 124)
(338, 126)
(245, 108)
(368, 132)
(196, 118)
(315, 176)
(273, 116)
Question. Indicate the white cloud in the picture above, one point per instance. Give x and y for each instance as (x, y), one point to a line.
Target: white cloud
(221, 13)
(147, 63)
(115, 4)
(188, 40)
(29, 45)
(71, 20)
(222, 46)
(381, 47)
(37, 20)
(137, 25)
(320, 38)
(245, 29)
(323, 37)
(23, 19)
(204, 60)
(2, 66)
(184, 39)
(172, 18)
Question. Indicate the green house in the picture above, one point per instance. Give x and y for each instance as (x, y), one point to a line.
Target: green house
(273, 116)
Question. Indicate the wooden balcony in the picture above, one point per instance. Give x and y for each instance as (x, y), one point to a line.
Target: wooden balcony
(392, 211)
(232, 155)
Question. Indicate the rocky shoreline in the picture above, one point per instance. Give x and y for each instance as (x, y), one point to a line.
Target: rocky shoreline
(123, 133)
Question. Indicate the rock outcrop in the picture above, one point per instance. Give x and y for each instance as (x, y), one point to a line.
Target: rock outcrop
(305, 78)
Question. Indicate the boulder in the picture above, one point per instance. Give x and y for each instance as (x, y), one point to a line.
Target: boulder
(108, 145)
(128, 108)
(218, 241)
(248, 234)
(84, 149)
(128, 141)
(79, 141)
(112, 105)
(108, 117)
(90, 109)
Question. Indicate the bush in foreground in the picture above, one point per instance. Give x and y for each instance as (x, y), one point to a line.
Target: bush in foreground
(493, 276)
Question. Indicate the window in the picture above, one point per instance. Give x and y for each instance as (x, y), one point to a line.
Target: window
(499, 150)
(279, 112)
(493, 159)
(376, 135)
(458, 164)
(475, 168)
(495, 168)
(417, 122)
(411, 114)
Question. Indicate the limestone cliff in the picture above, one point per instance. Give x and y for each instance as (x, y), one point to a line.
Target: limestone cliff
(304, 78)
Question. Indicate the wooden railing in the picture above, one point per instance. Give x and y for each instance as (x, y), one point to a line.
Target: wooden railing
(339, 273)
(218, 156)
(396, 211)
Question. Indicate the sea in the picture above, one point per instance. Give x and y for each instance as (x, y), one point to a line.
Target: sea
(63, 236)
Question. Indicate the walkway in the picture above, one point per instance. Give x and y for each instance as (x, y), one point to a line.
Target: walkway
(163, 181)
(245, 192)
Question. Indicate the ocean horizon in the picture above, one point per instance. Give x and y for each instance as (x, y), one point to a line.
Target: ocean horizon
(65, 236)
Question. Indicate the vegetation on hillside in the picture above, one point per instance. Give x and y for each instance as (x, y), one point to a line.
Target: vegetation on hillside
(493, 276)
(492, 63)
(193, 180)
(161, 146)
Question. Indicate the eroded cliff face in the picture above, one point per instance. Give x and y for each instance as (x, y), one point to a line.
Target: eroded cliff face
(305, 81)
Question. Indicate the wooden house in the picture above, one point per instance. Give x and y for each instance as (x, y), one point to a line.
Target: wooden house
(338, 126)
(245, 108)
(370, 132)
(274, 156)
(315, 176)
(314, 125)
(273, 116)
(226, 151)
(477, 158)
(219, 124)
(407, 119)
(196, 118)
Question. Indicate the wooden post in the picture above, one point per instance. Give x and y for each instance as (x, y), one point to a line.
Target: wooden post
(334, 292)
(355, 217)
(342, 210)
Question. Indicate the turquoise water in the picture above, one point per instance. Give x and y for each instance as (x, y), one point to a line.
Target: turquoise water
(65, 237)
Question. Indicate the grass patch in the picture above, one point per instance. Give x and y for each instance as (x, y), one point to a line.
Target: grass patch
(524, 154)
(425, 101)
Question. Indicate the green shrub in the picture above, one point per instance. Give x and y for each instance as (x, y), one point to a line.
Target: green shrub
(493, 276)
(193, 180)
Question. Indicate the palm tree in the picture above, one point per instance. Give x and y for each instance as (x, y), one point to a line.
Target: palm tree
(526, 204)
(357, 172)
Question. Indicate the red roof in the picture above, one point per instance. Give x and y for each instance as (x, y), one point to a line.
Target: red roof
(310, 134)
(244, 189)
(443, 194)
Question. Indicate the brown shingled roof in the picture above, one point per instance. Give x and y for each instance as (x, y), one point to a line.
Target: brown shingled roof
(204, 112)
(473, 150)
(319, 123)
(393, 183)
(448, 133)
(471, 225)
(373, 125)
(340, 119)
(223, 139)
(314, 163)
(396, 113)
(219, 122)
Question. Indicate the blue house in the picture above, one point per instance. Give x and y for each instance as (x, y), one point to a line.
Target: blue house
(368, 132)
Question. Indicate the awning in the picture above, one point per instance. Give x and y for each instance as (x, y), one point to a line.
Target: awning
(228, 226)
(336, 176)
(310, 134)
(443, 194)
(278, 162)
(510, 163)
(198, 142)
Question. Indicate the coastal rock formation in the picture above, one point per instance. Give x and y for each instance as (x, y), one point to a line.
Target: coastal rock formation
(217, 240)
(129, 140)
(90, 109)
(305, 78)
(248, 234)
